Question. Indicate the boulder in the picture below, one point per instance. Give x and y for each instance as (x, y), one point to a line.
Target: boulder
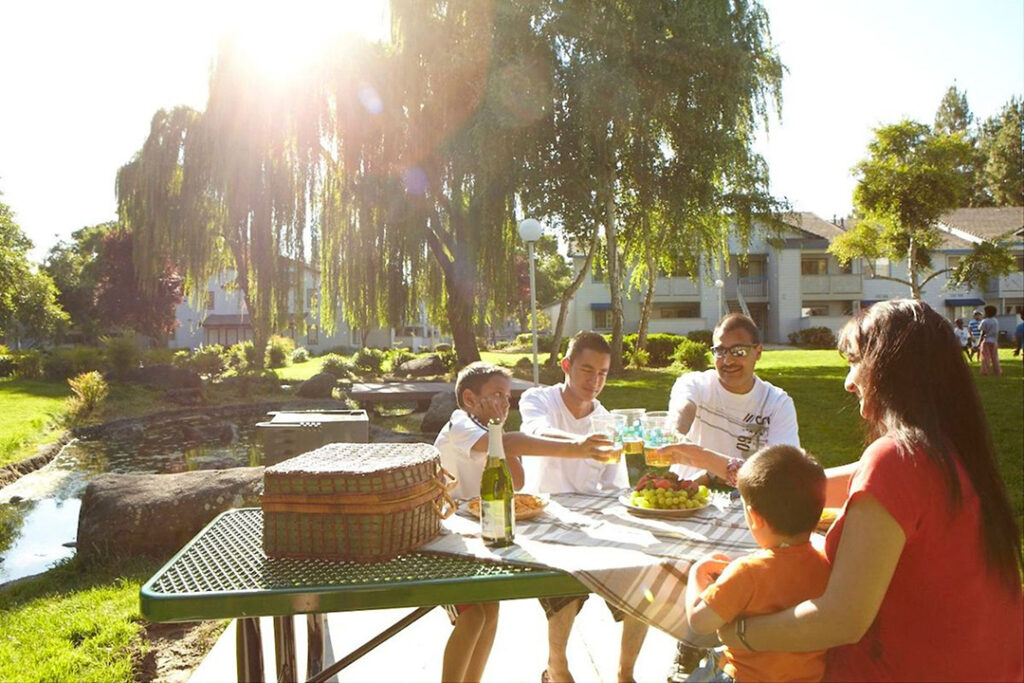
(440, 411)
(425, 366)
(185, 397)
(154, 515)
(320, 385)
(166, 377)
(381, 435)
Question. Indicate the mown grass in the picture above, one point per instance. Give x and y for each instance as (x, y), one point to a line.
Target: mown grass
(31, 412)
(73, 624)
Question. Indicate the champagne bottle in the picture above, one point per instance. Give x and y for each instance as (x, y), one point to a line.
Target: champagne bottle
(497, 495)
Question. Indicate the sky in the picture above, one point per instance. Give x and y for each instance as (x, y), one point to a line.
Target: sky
(80, 82)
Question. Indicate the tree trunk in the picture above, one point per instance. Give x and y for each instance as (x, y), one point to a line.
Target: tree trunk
(460, 317)
(563, 309)
(614, 284)
(915, 288)
(645, 309)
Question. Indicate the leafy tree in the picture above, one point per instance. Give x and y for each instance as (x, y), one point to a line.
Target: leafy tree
(910, 178)
(1002, 145)
(954, 117)
(122, 303)
(72, 265)
(552, 275)
(28, 298)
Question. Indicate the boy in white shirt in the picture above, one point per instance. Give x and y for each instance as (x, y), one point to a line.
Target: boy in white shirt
(483, 393)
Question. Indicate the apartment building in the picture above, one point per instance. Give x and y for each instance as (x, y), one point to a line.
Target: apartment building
(793, 283)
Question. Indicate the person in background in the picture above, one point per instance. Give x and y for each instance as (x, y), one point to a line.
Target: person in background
(1018, 333)
(988, 344)
(963, 335)
(565, 410)
(483, 392)
(975, 328)
(926, 554)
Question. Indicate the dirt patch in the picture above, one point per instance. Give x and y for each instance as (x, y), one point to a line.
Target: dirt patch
(175, 650)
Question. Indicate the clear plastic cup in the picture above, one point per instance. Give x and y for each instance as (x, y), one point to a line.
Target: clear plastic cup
(633, 432)
(611, 426)
(658, 431)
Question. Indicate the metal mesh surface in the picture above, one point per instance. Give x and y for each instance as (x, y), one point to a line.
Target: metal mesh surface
(228, 558)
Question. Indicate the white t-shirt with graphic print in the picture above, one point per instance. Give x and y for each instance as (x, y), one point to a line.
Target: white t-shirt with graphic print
(734, 425)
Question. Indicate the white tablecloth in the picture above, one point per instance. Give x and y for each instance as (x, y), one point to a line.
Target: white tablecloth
(639, 565)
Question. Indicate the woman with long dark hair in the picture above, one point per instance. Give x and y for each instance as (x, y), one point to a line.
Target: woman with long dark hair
(926, 554)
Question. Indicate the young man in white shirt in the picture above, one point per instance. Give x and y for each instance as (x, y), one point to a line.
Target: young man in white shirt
(727, 413)
(566, 410)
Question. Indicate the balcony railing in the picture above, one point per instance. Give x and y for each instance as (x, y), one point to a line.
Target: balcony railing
(1009, 285)
(845, 283)
(676, 286)
(750, 287)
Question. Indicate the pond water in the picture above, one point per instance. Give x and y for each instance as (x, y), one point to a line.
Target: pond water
(39, 512)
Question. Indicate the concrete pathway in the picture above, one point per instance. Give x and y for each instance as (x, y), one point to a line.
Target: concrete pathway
(414, 655)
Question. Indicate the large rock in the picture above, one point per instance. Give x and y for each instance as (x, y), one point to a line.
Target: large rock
(440, 411)
(166, 377)
(424, 366)
(320, 385)
(156, 514)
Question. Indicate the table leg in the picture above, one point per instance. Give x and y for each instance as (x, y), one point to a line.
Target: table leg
(315, 634)
(248, 650)
(284, 649)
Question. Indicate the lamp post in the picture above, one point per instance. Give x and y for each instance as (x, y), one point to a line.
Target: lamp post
(530, 231)
(720, 286)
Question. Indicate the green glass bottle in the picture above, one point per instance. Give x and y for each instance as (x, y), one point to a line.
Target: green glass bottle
(497, 495)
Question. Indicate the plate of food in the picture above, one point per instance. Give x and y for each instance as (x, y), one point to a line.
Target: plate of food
(528, 506)
(828, 518)
(665, 496)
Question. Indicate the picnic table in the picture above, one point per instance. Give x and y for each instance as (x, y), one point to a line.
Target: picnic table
(582, 543)
(370, 394)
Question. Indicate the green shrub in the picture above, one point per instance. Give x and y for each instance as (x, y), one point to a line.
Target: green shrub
(240, 357)
(525, 340)
(208, 360)
(300, 355)
(279, 351)
(448, 359)
(638, 358)
(62, 364)
(4, 351)
(370, 361)
(336, 365)
(28, 364)
(122, 355)
(501, 345)
(692, 355)
(661, 348)
(89, 389)
(813, 338)
(7, 365)
(163, 356)
(182, 359)
(442, 347)
(395, 357)
(705, 337)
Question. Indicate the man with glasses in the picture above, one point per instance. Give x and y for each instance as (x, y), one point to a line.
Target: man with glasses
(727, 413)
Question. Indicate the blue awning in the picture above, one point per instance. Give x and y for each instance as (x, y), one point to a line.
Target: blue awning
(965, 302)
(600, 307)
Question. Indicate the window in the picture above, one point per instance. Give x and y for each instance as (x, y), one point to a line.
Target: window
(813, 265)
(751, 268)
(678, 310)
(882, 267)
(210, 300)
(847, 268)
(310, 299)
(602, 320)
(814, 308)
(677, 268)
(597, 271)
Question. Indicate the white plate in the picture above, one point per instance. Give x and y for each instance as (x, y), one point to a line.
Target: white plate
(472, 507)
(658, 513)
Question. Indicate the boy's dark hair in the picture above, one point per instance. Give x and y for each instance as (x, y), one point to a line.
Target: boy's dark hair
(785, 486)
(583, 340)
(990, 311)
(738, 321)
(474, 375)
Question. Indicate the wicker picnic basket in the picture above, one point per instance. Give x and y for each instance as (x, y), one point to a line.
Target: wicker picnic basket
(351, 501)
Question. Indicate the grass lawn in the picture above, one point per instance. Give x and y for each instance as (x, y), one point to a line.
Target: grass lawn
(31, 410)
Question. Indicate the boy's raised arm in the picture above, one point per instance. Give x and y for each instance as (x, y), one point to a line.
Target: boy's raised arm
(519, 444)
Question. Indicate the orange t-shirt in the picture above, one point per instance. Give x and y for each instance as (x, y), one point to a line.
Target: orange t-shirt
(761, 583)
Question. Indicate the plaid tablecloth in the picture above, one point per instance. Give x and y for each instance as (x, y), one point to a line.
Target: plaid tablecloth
(638, 565)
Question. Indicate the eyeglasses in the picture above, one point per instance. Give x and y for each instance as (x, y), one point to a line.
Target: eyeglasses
(736, 350)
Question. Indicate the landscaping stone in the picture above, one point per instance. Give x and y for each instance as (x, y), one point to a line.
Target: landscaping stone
(185, 397)
(320, 385)
(440, 411)
(166, 377)
(154, 515)
(425, 366)
(381, 435)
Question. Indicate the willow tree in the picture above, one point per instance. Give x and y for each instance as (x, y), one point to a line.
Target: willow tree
(230, 187)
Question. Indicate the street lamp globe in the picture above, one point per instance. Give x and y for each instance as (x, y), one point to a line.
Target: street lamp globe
(530, 230)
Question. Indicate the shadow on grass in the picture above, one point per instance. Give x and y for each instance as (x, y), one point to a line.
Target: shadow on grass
(73, 576)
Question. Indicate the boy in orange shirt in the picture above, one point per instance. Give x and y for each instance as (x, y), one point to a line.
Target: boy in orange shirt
(783, 492)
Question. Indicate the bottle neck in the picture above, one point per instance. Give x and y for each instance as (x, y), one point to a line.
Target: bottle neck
(495, 445)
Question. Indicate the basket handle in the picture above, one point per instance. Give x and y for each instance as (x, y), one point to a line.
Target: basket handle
(447, 507)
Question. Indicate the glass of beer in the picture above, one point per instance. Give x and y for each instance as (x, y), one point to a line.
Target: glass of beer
(611, 426)
(633, 441)
(658, 431)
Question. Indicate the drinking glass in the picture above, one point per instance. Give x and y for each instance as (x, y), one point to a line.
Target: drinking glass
(658, 431)
(611, 426)
(633, 441)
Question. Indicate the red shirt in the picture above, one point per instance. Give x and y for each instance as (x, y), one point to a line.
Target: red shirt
(945, 616)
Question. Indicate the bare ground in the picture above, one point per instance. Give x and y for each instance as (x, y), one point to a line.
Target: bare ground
(175, 650)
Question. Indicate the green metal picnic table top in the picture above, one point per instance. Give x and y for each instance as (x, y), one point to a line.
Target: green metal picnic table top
(224, 573)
